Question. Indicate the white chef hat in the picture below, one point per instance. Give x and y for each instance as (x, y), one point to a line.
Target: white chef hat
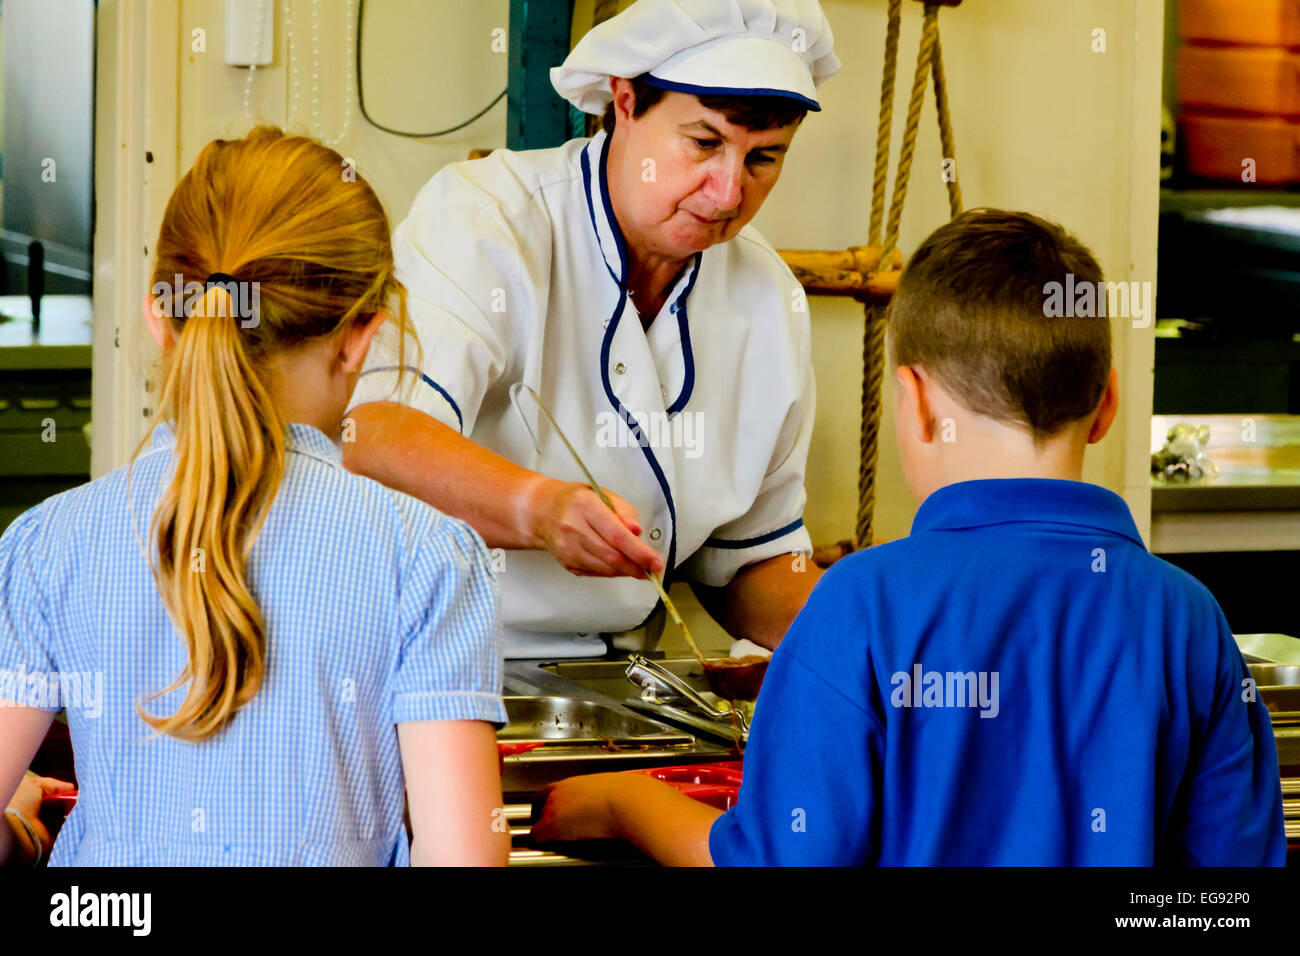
(731, 47)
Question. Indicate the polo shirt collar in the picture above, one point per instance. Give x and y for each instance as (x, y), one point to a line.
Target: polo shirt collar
(301, 438)
(1044, 501)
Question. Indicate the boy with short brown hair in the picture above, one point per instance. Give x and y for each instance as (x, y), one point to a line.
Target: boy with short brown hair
(1016, 682)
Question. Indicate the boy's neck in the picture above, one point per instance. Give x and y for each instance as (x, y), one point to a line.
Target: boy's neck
(982, 448)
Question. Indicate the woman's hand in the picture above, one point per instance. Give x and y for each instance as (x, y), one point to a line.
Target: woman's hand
(587, 538)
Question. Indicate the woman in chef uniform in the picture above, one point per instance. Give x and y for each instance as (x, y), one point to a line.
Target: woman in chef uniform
(619, 278)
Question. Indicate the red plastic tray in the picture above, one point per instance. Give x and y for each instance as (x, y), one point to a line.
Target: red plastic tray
(714, 784)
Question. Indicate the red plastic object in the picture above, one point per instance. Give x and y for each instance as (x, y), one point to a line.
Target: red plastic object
(1217, 146)
(1257, 22)
(1244, 79)
(509, 750)
(714, 784)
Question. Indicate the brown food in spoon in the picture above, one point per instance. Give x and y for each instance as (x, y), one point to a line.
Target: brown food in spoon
(736, 678)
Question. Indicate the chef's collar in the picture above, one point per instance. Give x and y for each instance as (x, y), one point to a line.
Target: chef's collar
(595, 180)
(301, 438)
(1006, 501)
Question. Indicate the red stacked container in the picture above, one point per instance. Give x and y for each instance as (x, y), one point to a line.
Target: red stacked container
(1239, 84)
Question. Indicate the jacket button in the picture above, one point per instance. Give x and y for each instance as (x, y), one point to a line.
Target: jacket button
(620, 368)
(654, 534)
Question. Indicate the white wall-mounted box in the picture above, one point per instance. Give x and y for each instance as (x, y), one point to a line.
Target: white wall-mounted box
(250, 32)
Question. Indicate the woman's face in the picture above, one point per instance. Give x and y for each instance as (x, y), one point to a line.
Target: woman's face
(689, 178)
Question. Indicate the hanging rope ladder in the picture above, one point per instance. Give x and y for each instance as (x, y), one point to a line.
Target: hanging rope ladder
(870, 273)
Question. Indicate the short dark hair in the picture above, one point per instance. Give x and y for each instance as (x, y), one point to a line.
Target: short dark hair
(971, 309)
(752, 112)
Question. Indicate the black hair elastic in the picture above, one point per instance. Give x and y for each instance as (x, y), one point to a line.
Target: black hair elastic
(219, 278)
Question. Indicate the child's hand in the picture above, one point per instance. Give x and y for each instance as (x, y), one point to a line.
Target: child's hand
(661, 822)
(27, 801)
(581, 808)
(32, 790)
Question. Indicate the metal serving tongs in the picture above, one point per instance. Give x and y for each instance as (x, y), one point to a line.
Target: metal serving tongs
(515, 389)
(645, 673)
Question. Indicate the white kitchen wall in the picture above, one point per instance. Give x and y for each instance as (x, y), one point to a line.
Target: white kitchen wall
(428, 65)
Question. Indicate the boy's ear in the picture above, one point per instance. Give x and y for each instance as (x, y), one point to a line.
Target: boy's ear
(160, 326)
(914, 403)
(1107, 409)
(356, 341)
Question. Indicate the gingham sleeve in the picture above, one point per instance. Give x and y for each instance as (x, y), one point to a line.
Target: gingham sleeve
(450, 663)
(25, 633)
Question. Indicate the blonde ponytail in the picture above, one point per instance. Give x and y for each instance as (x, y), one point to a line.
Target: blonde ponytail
(314, 248)
(229, 462)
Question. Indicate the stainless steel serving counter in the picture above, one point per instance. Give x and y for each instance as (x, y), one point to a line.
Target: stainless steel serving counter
(588, 728)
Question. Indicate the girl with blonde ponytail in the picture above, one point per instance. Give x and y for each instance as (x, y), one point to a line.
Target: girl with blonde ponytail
(288, 646)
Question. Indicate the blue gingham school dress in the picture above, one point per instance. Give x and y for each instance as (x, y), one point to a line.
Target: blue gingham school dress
(378, 610)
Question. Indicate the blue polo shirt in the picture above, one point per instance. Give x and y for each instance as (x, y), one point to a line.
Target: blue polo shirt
(1018, 682)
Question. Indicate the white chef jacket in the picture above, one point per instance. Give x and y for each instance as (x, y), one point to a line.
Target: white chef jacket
(516, 272)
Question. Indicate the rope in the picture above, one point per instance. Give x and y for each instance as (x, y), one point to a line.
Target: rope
(873, 334)
(873, 350)
(929, 60)
(886, 124)
(945, 127)
(929, 35)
